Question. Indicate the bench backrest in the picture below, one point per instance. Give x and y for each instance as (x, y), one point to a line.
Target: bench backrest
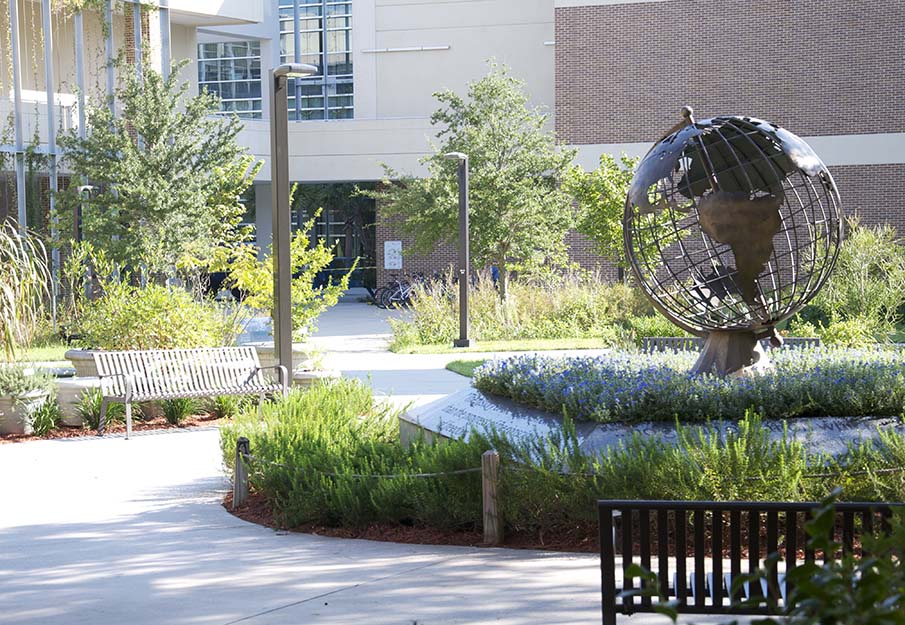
(164, 371)
(685, 543)
(654, 344)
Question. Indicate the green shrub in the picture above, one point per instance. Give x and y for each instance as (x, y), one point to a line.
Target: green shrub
(324, 436)
(46, 417)
(226, 406)
(322, 456)
(176, 410)
(652, 325)
(16, 381)
(89, 409)
(557, 307)
(152, 317)
(853, 332)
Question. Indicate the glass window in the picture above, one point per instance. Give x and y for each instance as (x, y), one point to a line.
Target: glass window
(232, 70)
(324, 35)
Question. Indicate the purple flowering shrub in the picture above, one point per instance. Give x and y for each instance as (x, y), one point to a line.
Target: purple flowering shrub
(643, 387)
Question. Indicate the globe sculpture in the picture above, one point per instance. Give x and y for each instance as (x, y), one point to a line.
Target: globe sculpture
(731, 225)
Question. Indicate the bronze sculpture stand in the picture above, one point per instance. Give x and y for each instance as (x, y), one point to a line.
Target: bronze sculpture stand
(731, 353)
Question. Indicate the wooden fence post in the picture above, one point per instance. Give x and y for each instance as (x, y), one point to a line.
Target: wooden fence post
(490, 476)
(240, 473)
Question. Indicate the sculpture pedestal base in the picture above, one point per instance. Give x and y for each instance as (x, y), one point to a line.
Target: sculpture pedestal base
(731, 353)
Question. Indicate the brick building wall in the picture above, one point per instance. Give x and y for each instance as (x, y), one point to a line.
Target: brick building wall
(873, 192)
(817, 67)
(581, 251)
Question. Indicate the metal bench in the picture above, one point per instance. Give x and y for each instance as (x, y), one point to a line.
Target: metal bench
(137, 376)
(656, 344)
(659, 535)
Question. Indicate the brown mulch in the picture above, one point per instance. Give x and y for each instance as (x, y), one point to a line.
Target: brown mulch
(138, 425)
(258, 510)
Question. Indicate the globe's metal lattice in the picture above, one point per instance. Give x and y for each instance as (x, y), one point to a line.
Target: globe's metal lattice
(731, 223)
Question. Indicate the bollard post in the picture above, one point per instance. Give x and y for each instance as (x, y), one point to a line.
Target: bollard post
(240, 473)
(490, 477)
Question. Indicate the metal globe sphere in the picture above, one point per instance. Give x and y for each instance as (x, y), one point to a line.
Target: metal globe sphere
(731, 224)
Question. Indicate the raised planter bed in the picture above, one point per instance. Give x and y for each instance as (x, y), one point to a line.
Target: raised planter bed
(16, 413)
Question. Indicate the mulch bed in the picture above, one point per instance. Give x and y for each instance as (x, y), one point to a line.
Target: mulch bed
(138, 425)
(258, 510)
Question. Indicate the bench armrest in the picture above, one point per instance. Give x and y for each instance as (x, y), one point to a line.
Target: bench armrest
(128, 382)
(283, 375)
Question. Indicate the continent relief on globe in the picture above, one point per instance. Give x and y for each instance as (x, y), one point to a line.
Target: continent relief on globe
(747, 225)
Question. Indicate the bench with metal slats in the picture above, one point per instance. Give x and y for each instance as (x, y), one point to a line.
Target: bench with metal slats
(151, 375)
(659, 535)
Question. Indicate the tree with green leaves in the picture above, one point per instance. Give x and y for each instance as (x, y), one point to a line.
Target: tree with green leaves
(601, 202)
(519, 214)
(165, 174)
(251, 274)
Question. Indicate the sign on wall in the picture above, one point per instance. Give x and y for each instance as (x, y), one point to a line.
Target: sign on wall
(392, 254)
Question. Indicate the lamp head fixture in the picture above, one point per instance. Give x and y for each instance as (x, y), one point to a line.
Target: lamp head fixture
(294, 70)
(456, 156)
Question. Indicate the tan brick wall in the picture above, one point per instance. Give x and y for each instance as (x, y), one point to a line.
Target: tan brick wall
(817, 67)
(873, 192)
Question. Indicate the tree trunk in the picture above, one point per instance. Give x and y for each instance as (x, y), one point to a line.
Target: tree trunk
(503, 282)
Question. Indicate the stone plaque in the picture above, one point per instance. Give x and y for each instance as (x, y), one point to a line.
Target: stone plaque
(458, 414)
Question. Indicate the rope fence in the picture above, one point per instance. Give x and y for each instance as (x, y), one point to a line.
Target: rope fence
(490, 470)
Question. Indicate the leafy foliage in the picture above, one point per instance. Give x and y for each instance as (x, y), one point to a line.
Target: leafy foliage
(176, 410)
(861, 303)
(153, 317)
(89, 409)
(254, 277)
(574, 305)
(23, 285)
(322, 457)
(659, 387)
(46, 417)
(166, 174)
(519, 214)
(16, 381)
(323, 437)
(601, 202)
(227, 406)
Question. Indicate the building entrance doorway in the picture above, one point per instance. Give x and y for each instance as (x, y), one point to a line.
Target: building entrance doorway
(345, 224)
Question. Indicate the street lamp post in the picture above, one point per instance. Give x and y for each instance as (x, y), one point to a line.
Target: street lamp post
(464, 273)
(282, 216)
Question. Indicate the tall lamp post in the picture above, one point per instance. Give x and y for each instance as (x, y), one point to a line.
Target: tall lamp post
(282, 216)
(464, 273)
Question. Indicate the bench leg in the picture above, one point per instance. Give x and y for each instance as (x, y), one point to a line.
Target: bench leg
(261, 406)
(103, 420)
(128, 420)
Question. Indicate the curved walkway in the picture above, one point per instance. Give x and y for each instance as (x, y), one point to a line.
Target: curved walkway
(113, 532)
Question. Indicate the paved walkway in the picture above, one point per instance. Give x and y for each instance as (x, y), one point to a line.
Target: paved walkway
(113, 532)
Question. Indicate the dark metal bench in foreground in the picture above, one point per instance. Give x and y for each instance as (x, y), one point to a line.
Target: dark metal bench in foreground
(654, 533)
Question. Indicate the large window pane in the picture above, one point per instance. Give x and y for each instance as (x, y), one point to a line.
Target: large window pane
(324, 30)
(232, 70)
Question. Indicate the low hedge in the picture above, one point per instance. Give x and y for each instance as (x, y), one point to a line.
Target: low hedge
(312, 448)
